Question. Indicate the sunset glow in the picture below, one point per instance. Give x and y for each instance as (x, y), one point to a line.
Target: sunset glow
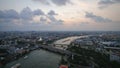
(60, 15)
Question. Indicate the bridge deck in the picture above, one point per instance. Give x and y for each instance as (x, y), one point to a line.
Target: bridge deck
(50, 48)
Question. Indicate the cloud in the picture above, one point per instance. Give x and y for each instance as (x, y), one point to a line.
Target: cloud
(106, 3)
(9, 14)
(60, 2)
(96, 18)
(46, 2)
(51, 12)
(43, 19)
(38, 12)
(28, 17)
(26, 14)
(50, 18)
(53, 20)
(55, 2)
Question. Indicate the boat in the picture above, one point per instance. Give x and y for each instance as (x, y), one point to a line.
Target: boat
(16, 65)
(25, 57)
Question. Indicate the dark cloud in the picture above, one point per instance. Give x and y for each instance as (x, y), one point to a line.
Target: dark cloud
(9, 14)
(51, 17)
(11, 19)
(56, 2)
(106, 3)
(60, 22)
(2, 14)
(43, 19)
(97, 18)
(60, 2)
(53, 20)
(38, 12)
(26, 14)
(46, 2)
(51, 12)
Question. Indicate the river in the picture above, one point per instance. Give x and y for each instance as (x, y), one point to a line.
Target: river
(41, 58)
(63, 43)
(38, 59)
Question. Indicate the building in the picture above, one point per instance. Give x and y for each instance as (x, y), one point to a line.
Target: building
(115, 56)
(63, 66)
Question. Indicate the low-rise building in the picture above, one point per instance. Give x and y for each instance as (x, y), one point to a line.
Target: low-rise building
(115, 56)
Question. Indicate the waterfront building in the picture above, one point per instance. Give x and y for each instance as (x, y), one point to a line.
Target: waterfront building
(114, 56)
(63, 66)
(40, 39)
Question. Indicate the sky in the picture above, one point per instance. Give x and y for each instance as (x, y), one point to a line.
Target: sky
(59, 15)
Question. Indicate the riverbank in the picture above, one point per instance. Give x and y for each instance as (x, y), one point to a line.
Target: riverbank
(37, 59)
(56, 51)
(63, 43)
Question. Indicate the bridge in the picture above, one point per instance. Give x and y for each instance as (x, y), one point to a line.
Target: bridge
(112, 48)
(60, 51)
(60, 44)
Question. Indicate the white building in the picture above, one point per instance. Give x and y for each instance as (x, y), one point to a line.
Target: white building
(40, 39)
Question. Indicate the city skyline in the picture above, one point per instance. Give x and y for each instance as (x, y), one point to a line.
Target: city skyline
(59, 15)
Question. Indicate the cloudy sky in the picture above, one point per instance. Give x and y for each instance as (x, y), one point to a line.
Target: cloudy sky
(59, 15)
